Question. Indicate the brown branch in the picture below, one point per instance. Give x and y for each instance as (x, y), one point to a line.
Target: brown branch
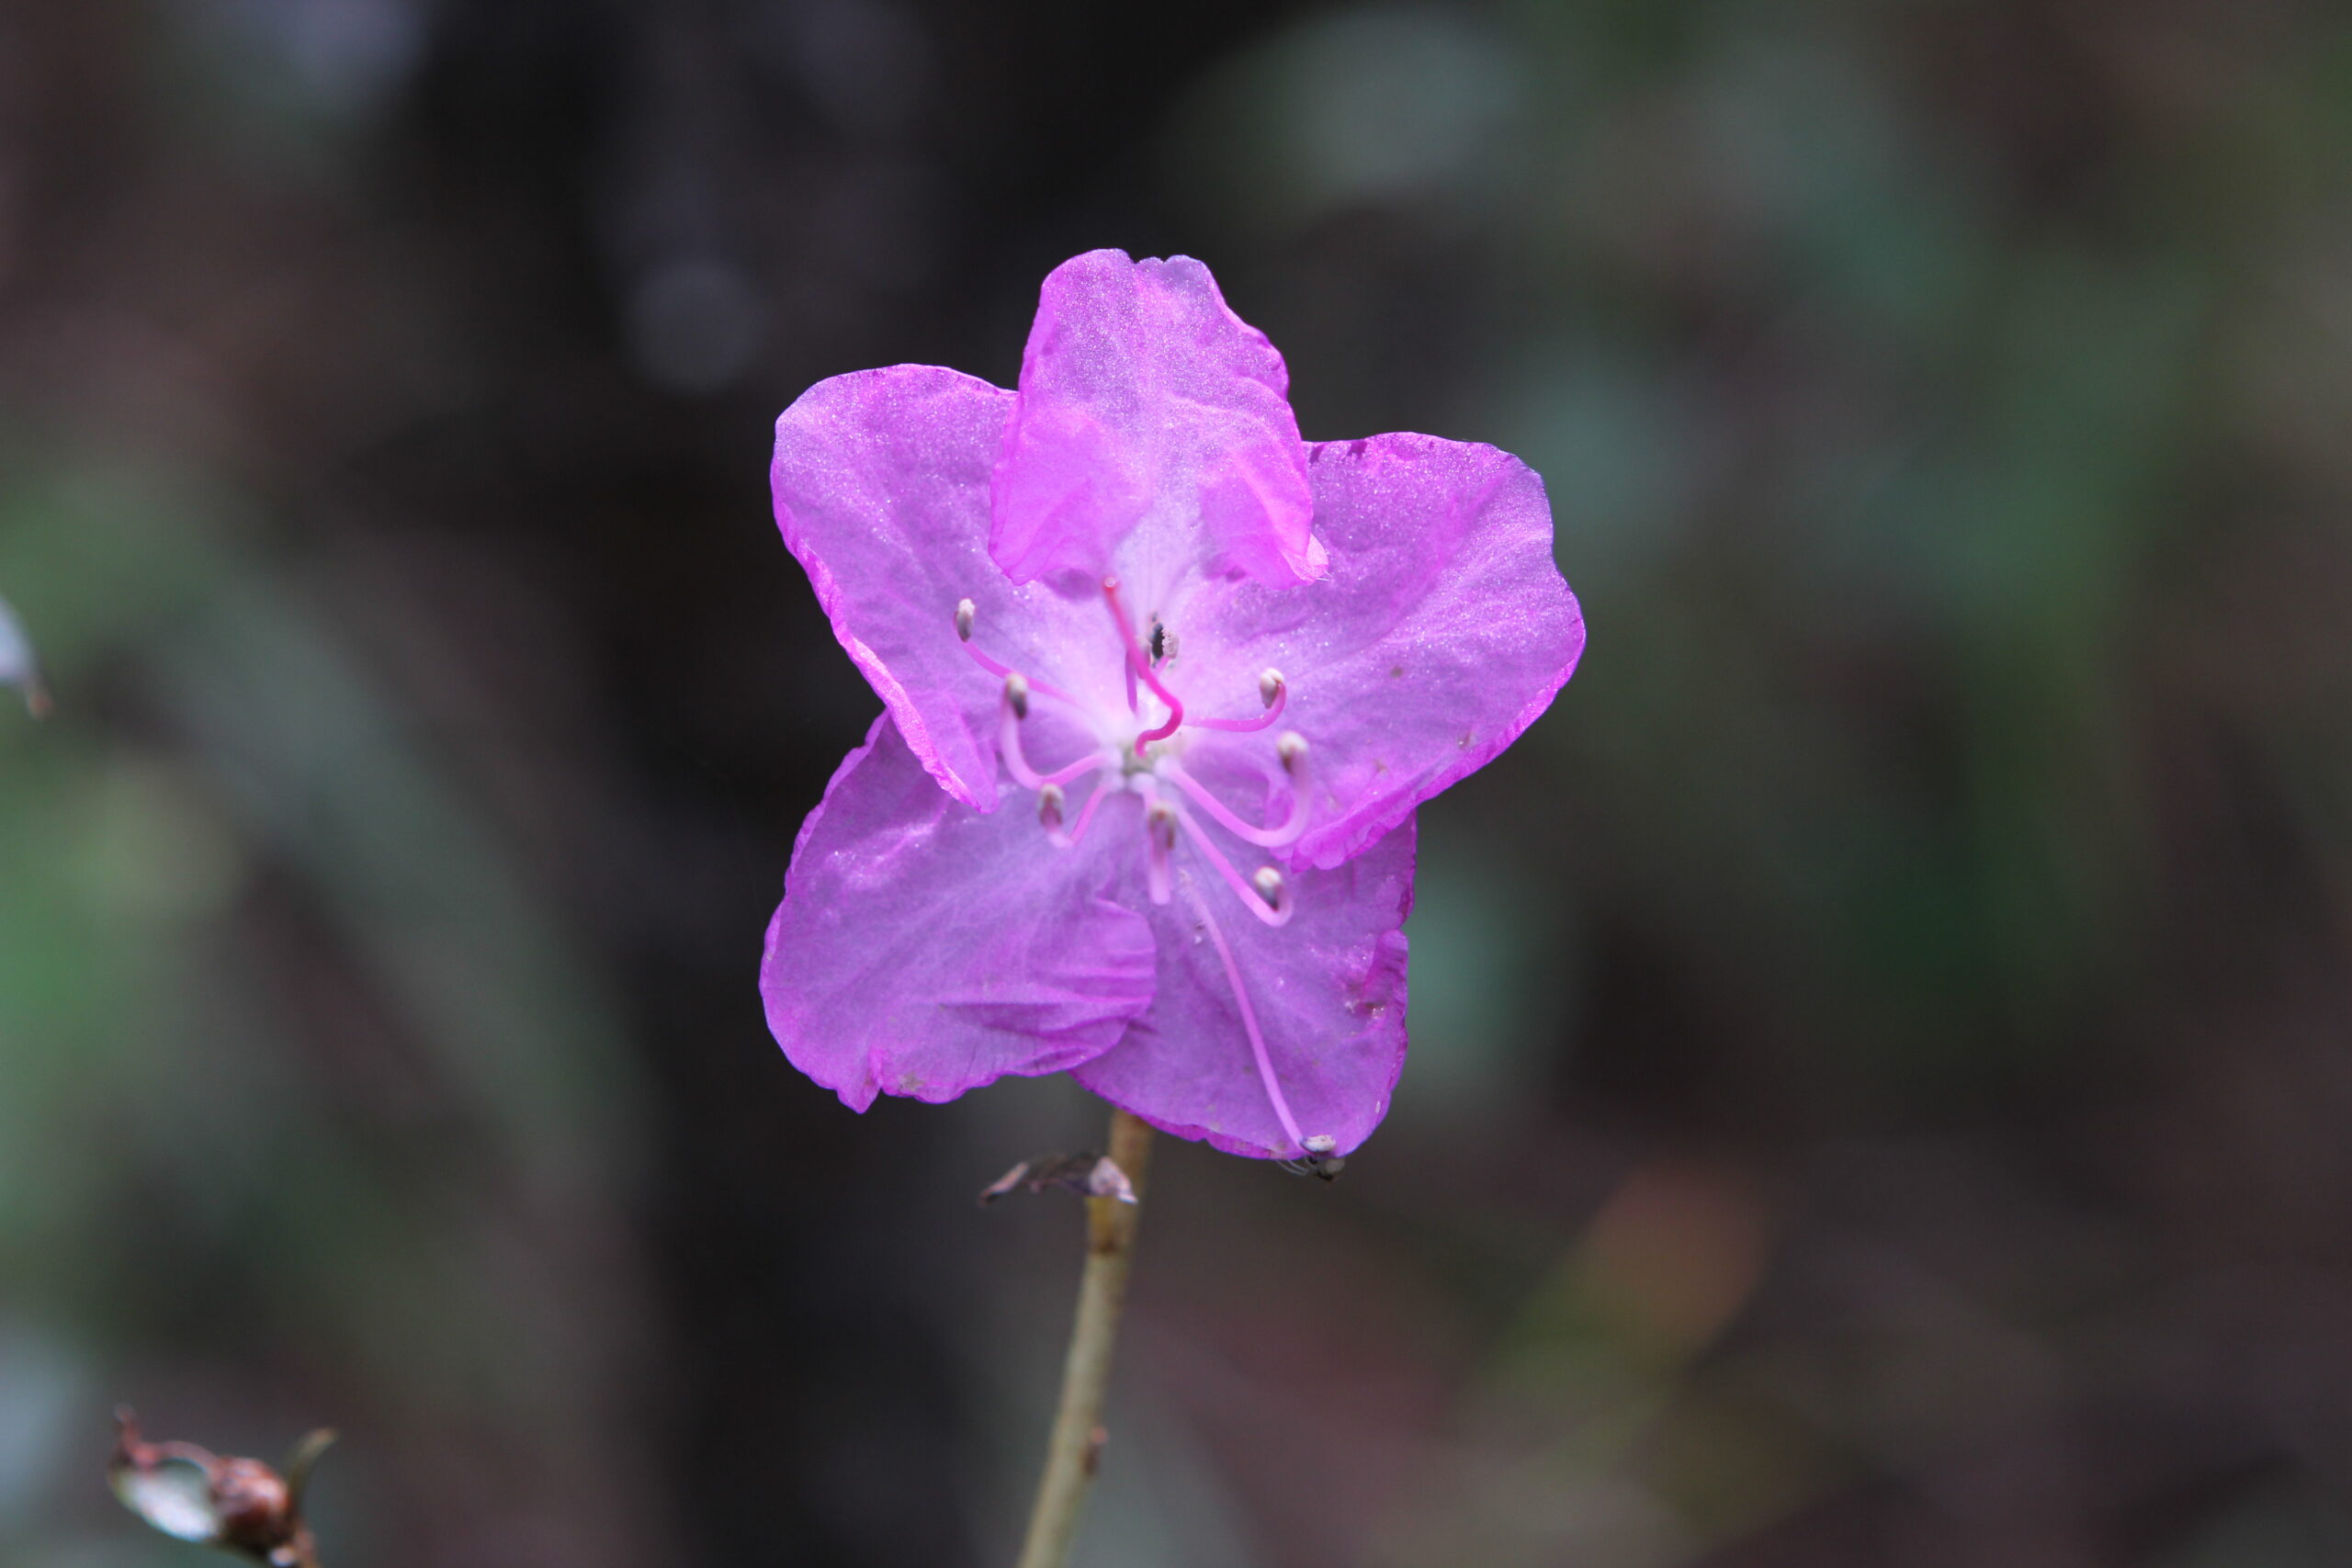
(1076, 1446)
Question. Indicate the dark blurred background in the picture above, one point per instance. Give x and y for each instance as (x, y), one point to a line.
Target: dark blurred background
(1883, 1081)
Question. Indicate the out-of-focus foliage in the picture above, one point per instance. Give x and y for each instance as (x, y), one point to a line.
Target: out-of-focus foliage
(1884, 1043)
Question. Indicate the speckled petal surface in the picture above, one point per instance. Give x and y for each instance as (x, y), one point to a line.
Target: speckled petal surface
(1443, 631)
(881, 485)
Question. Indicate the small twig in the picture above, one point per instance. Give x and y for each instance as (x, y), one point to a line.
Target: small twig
(1086, 1172)
(239, 1505)
(1076, 1446)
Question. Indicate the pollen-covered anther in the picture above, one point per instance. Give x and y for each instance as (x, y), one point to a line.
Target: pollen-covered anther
(1050, 801)
(1270, 686)
(1016, 694)
(1317, 1159)
(1291, 747)
(966, 613)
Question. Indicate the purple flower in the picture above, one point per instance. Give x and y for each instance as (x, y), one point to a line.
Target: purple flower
(1164, 684)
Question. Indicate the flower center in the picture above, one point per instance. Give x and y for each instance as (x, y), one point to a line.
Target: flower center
(1146, 759)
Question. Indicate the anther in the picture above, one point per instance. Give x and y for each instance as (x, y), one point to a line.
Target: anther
(1291, 747)
(1269, 683)
(966, 614)
(1318, 1159)
(1050, 801)
(1160, 818)
(1016, 693)
(1268, 881)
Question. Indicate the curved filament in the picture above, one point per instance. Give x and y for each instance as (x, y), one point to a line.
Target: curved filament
(1003, 671)
(1264, 838)
(1249, 1015)
(1273, 914)
(1086, 812)
(1249, 726)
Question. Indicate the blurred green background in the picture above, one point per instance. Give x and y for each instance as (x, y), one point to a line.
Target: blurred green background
(1883, 1081)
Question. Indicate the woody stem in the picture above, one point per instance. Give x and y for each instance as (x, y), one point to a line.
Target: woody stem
(1077, 1441)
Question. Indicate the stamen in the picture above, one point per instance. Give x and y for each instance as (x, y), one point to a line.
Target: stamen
(1274, 910)
(1011, 711)
(1291, 747)
(1288, 833)
(1159, 820)
(1249, 1015)
(1086, 812)
(1268, 881)
(1050, 801)
(1273, 691)
(966, 614)
(1321, 1161)
(1139, 669)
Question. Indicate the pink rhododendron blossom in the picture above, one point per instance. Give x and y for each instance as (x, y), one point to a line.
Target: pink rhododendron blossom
(1163, 685)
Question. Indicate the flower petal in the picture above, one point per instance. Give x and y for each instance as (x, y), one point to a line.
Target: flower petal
(924, 948)
(881, 489)
(1443, 631)
(1146, 404)
(1327, 991)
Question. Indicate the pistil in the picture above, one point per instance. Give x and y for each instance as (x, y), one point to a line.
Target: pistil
(1139, 669)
